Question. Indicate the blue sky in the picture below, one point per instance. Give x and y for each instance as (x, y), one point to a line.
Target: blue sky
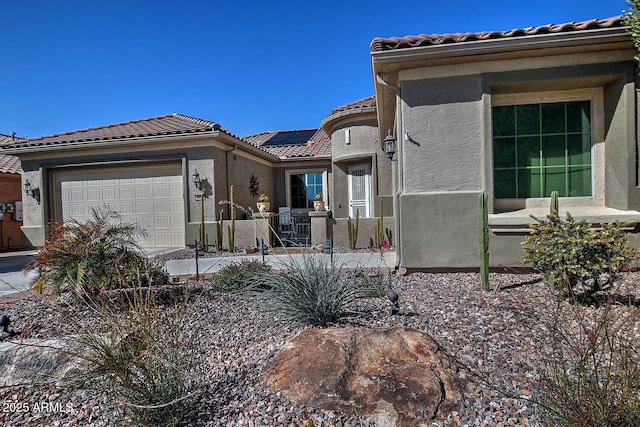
(251, 66)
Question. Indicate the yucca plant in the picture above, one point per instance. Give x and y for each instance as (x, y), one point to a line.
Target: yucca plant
(309, 292)
(100, 253)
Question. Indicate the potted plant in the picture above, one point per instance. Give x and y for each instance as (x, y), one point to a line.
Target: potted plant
(263, 203)
(318, 203)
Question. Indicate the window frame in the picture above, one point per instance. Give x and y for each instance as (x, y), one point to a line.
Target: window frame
(291, 172)
(596, 100)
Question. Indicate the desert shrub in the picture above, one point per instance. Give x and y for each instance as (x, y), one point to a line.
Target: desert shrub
(100, 253)
(370, 283)
(592, 377)
(236, 276)
(576, 259)
(310, 292)
(139, 355)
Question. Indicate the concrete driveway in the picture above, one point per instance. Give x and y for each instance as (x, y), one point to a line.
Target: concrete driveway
(12, 276)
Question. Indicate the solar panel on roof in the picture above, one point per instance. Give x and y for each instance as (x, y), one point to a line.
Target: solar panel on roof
(296, 137)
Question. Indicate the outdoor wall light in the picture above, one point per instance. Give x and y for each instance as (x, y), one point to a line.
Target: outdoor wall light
(389, 145)
(34, 193)
(196, 180)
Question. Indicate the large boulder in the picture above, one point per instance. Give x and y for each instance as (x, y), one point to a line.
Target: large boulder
(395, 376)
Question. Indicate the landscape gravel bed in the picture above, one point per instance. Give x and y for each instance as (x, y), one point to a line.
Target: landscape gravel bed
(501, 338)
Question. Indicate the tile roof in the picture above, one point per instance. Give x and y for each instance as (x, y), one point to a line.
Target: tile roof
(170, 124)
(392, 43)
(368, 102)
(9, 164)
(293, 143)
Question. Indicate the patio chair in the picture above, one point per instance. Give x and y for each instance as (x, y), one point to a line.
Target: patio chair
(286, 224)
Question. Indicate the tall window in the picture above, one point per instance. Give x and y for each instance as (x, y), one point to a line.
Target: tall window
(540, 148)
(304, 188)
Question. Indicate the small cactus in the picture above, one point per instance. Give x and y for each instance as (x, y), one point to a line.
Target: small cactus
(352, 230)
(218, 243)
(231, 229)
(553, 208)
(378, 238)
(484, 241)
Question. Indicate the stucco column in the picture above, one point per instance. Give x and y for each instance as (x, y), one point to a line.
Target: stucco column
(264, 226)
(320, 227)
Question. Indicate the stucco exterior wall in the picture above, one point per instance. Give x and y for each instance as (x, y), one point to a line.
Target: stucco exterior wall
(355, 140)
(366, 231)
(448, 159)
(442, 117)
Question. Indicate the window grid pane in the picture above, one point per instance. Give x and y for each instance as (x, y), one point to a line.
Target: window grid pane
(304, 188)
(552, 150)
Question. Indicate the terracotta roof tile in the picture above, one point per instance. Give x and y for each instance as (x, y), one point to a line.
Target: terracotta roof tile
(381, 44)
(293, 143)
(368, 102)
(170, 124)
(9, 164)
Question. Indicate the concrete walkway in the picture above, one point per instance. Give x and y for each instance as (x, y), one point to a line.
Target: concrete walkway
(13, 279)
(348, 260)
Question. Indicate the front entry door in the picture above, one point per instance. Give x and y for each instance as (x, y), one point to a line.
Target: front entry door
(358, 190)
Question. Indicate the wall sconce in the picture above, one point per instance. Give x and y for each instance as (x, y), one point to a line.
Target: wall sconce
(34, 193)
(389, 145)
(196, 180)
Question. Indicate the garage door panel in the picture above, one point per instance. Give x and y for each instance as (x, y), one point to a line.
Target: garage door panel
(150, 197)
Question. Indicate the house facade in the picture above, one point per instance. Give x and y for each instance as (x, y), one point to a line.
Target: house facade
(515, 114)
(143, 169)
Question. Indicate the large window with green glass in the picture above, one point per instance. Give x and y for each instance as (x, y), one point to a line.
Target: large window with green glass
(540, 148)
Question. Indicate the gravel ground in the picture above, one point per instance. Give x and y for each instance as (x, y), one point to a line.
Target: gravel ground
(500, 336)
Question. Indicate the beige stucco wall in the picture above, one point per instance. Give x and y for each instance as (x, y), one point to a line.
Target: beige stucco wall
(366, 231)
(363, 147)
(443, 118)
(448, 160)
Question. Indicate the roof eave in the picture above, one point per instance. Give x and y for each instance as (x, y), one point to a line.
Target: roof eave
(476, 47)
(116, 142)
(479, 47)
(303, 158)
(325, 123)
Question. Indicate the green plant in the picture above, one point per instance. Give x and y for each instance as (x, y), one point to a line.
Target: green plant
(100, 253)
(218, 242)
(139, 355)
(231, 229)
(202, 234)
(554, 206)
(484, 242)
(576, 259)
(632, 21)
(378, 237)
(352, 230)
(263, 198)
(591, 376)
(372, 284)
(236, 276)
(310, 292)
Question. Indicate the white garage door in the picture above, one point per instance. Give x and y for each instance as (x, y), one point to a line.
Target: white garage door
(151, 196)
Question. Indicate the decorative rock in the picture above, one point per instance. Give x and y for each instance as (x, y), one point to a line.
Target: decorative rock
(395, 376)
